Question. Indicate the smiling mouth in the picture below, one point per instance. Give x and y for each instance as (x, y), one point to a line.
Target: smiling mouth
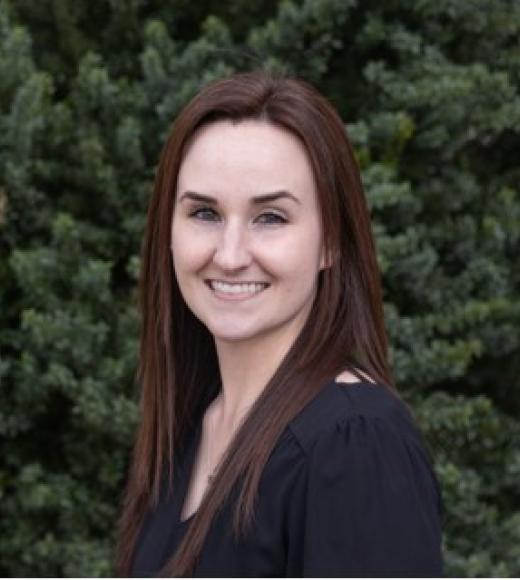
(241, 290)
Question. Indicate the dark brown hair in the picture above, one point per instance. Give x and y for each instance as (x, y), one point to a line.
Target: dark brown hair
(178, 361)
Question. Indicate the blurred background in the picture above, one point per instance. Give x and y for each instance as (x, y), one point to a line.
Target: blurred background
(429, 92)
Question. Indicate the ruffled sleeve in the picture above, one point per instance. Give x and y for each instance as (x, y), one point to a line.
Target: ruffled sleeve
(372, 503)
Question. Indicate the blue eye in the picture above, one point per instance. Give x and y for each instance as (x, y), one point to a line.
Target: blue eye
(199, 214)
(278, 218)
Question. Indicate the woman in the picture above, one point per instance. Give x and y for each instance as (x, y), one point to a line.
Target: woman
(272, 440)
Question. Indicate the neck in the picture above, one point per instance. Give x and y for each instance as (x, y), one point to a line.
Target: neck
(247, 366)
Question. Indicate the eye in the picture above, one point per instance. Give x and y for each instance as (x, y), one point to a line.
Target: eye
(206, 213)
(202, 210)
(278, 219)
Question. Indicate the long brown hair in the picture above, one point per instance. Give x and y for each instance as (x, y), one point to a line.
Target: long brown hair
(178, 360)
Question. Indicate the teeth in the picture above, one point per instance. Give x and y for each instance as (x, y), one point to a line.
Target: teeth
(237, 288)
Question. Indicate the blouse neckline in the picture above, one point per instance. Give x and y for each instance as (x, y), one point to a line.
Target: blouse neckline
(188, 464)
(189, 458)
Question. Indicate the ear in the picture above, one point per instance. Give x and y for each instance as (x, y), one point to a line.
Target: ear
(327, 259)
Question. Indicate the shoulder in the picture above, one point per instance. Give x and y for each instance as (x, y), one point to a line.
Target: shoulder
(345, 403)
(352, 433)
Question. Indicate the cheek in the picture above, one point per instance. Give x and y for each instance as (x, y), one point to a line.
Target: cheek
(294, 259)
(188, 251)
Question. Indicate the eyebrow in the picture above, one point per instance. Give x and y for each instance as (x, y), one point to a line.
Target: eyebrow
(256, 200)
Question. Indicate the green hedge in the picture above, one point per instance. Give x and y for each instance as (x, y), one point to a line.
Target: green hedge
(429, 91)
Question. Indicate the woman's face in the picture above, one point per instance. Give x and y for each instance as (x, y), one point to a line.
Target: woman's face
(246, 232)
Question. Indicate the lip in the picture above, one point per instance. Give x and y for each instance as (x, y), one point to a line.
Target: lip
(208, 280)
(234, 297)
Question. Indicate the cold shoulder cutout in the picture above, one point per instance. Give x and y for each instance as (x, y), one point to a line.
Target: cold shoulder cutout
(349, 490)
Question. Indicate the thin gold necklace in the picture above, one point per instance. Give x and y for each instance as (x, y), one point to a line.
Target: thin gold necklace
(212, 473)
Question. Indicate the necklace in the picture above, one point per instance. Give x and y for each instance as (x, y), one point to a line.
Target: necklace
(211, 475)
(212, 472)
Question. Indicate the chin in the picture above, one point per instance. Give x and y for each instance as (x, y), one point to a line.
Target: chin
(230, 335)
(233, 332)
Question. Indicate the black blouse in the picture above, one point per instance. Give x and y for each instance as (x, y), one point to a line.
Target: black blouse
(348, 490)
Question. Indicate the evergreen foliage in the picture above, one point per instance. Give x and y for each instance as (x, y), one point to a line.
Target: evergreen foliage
(429, 91)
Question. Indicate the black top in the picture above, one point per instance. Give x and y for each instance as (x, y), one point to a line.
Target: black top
(347, 491)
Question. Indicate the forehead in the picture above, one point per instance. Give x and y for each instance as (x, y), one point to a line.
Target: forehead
(246, 158)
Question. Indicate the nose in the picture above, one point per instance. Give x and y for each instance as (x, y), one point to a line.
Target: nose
(232, 248)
